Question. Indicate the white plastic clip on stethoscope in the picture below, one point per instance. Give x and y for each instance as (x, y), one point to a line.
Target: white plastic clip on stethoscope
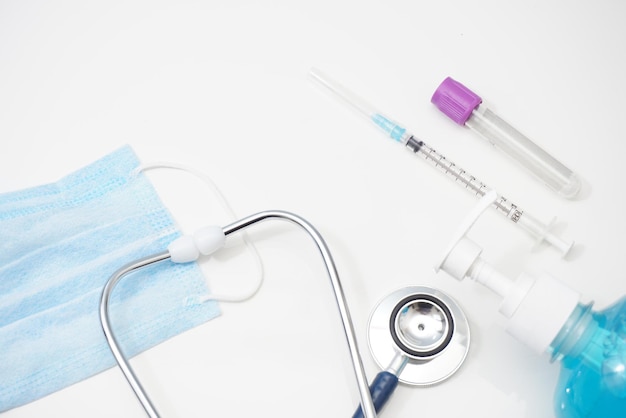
(205, 242)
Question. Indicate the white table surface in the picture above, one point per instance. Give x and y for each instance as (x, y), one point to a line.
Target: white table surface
(222, 86)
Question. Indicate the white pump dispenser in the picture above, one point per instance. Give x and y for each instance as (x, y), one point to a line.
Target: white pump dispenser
(544, 314)
(536, 308)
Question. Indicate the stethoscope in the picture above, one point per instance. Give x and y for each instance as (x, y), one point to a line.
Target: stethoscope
(418, 335)
(206, 241)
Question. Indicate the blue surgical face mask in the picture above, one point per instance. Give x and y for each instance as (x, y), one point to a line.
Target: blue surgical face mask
(59, 243)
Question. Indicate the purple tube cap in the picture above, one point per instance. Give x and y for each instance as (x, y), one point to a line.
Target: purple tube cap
(455, 100)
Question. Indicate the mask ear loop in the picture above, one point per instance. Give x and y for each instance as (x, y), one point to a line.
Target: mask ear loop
(227, 208)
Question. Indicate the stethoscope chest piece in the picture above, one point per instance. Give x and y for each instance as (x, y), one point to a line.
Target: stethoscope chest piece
(420, 331)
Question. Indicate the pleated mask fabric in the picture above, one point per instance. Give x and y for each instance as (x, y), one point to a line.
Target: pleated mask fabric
(59, 244)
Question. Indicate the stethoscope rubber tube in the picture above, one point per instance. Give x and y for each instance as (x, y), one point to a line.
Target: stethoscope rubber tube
(381, 389)
(408, 350)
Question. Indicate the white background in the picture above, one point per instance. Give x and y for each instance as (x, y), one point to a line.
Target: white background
(222, 86)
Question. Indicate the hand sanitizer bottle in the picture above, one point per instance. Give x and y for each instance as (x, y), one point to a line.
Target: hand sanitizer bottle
(547, 316)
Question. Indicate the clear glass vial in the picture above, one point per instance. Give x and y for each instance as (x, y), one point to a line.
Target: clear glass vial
(465, 107)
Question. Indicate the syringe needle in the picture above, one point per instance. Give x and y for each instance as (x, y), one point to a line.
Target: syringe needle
(394, 130)
(341, 92)
(390, 127)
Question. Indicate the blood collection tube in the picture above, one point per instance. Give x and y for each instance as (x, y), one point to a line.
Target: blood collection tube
(465, 107)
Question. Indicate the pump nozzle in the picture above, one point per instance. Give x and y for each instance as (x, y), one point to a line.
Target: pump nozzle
(536, 309)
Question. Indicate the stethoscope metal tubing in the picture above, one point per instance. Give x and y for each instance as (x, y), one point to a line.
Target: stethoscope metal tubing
(110, 336)
(346, 320)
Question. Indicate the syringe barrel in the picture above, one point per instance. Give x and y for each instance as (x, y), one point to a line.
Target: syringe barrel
(537, 229)
(465, 108)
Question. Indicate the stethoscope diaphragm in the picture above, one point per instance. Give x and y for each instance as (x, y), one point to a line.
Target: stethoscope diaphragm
(425, 328)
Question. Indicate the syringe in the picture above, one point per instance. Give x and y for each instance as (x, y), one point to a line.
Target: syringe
(539, 230)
